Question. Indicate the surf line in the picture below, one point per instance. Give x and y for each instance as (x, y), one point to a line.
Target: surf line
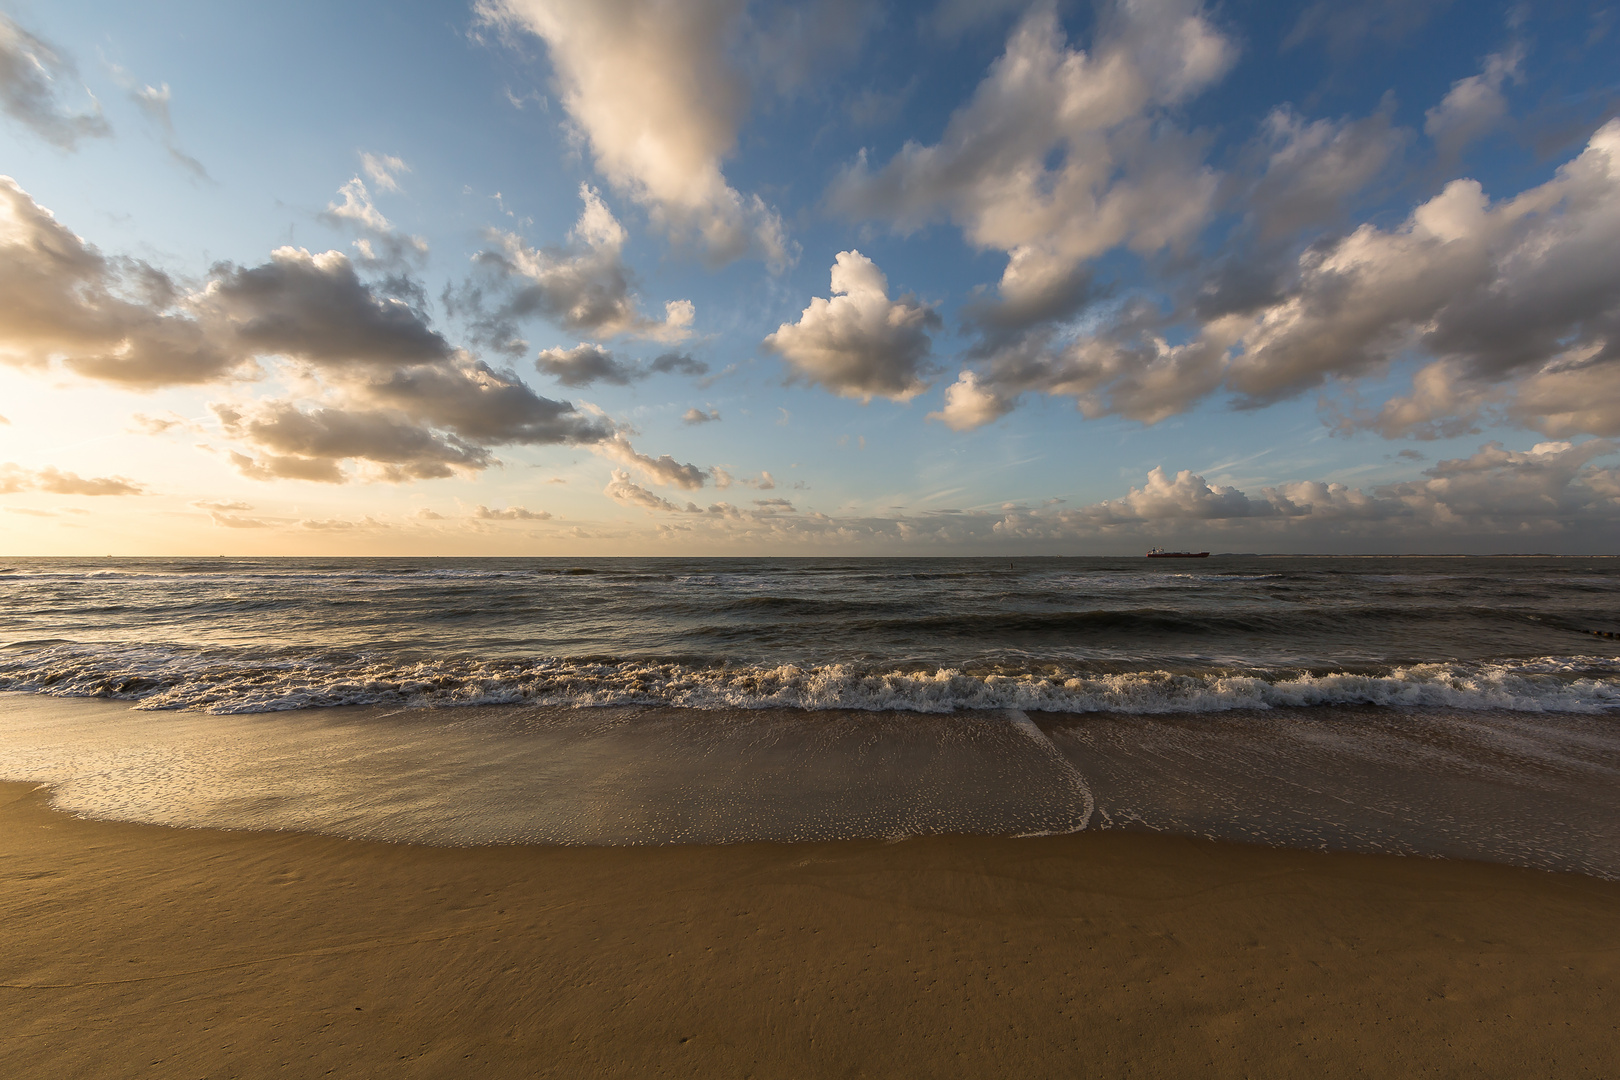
(1020, 720)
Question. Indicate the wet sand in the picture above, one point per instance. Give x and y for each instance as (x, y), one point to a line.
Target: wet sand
(139, 950)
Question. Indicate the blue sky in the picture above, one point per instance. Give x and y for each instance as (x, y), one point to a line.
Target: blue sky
(531, 276)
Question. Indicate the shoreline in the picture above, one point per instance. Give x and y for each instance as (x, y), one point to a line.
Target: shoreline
(137, 948)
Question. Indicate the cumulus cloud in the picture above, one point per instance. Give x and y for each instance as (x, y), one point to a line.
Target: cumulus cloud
(315, 308)
(308, 445)
(1514, 303)
(969, 405)
(397, 396)
(584, 287)
(674, 363)
(663, 469)
(109, 318)
(695, 415)
(1504, 288)
(510, 513)
(651, 87)
(31, 75)
(416, 422)
(859, 343)
(585, 364)
(272, 467)
(124, 321)
(480, 403)
(622, 489)
(1062, 154)
(380, 243)
(15, 478)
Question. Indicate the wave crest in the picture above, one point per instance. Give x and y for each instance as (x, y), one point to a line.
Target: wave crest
(223, 681)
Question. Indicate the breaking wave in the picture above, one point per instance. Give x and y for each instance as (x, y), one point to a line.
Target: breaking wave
(242, 681)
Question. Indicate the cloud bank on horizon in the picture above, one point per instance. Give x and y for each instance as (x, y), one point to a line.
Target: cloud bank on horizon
(958, 277)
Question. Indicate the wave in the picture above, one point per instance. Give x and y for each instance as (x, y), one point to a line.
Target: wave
(240, 681)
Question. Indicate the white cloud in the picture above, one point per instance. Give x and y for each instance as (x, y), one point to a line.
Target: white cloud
(859, 344)
(381, 244)
(1498, 289)
(1061, 155)
(124, 321)
(696, 415)
(969, 405)
(584, 287)
(650, 86)
(1516, 304)
(394, 395)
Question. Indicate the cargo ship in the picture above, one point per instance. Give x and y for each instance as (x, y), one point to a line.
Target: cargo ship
(1160, 553)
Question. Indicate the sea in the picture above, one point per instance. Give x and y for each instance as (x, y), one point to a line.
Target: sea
(1460, 707)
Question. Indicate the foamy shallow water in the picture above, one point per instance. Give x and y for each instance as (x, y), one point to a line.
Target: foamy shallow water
(1540, 791)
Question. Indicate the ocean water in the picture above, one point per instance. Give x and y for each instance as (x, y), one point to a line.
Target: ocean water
(1450, 706)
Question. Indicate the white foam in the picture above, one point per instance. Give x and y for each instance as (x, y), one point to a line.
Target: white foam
(219, 682)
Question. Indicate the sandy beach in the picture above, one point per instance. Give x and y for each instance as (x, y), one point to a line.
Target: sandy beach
(141, 950)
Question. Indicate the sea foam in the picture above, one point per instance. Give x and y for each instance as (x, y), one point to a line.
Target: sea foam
(240, 681)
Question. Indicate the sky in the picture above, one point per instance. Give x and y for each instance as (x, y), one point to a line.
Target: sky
(721, 277)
